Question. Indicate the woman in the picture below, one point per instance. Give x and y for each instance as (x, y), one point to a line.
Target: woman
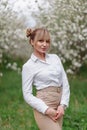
(46, 73)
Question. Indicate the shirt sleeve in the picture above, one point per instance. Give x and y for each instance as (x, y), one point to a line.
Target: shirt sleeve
(65, 86)
(27, 81)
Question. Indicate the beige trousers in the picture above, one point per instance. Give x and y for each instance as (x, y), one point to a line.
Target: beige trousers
(51, 96)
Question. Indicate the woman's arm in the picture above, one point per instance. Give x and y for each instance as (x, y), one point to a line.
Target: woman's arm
(27, 81)
(65, 88)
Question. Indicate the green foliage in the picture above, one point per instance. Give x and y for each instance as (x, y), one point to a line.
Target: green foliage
(15, 114)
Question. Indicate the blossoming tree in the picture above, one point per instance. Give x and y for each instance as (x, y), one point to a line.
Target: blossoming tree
(12, 35)
(67, 21)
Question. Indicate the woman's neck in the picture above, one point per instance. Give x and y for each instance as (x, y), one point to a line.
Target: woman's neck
(41, 56)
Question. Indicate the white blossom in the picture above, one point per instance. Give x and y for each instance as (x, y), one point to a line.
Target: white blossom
(1, 74)
(71, 30)
(69, 71)
(66, 21)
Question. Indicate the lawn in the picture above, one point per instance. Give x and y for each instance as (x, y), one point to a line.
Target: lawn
(15, 114)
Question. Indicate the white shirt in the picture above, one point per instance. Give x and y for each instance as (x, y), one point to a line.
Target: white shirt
(41, 74)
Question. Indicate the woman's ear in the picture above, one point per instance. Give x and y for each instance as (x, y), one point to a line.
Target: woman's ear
(32, 42)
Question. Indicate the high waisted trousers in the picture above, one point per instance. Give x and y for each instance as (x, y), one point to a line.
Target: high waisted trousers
(51, 96)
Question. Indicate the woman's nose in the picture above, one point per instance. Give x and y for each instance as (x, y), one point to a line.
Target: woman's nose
(44, 43)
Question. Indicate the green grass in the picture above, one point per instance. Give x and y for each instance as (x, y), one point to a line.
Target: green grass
(15, 114)
(75, 118)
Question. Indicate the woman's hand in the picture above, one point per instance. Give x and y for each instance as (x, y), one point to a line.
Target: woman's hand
(60, 112)
(52, 113)
(55, 114)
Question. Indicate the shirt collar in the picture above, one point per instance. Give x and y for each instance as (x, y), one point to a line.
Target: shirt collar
(35, 58)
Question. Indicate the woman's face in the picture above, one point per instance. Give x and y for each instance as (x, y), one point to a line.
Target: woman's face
(41, 46)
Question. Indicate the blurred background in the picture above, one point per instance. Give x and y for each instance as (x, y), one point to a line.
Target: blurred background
(67, 22)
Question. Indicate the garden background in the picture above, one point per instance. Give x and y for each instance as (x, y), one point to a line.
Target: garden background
(67, 22)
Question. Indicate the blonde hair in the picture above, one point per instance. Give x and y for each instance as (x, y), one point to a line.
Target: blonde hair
(38, 34)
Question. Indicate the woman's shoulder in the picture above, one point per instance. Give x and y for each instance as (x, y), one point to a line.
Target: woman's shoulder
(28, 63)
(54, 56)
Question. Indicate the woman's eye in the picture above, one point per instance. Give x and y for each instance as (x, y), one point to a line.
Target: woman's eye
(47, 41)
(41, 40)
